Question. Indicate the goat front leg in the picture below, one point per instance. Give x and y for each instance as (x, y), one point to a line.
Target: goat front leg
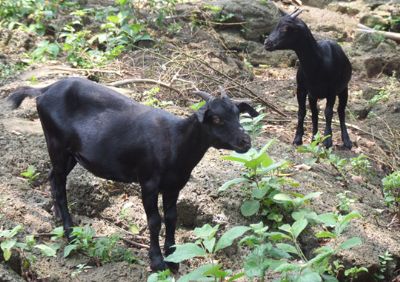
(314, 115)
(301, 100)
(150, 202)
(342, 118)
(170, 214)
(328, 119)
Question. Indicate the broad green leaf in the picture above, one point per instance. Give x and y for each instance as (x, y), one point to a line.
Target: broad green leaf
(328, 219)
(232, 182)
(258, 193)
(198, 105)
(236, 276)
(185, 251)
(229, 236)
(350, 243)
(206, 231)
(311, 216)
(278, 236)
(113, 18)
(285, 267)
(6, 246)
(286, 228)
(209, 244)
(11, 233)
(309, 277)
(325, 234)
(134, 229)
(216, 272)
(250, 207)
(281, 197)
(48, 251)
(256, 263)
(329, 278)
(69, 248)
(320, 257)
(298, 227)
(197, 274)
(287, 248)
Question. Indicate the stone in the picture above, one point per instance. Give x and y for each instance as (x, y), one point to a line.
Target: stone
(374, 20)
(361, 110)
(187, 213)
(260, 17)
(369, 92)
(317, 3)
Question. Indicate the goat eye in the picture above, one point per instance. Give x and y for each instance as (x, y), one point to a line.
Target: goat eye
(217, 120)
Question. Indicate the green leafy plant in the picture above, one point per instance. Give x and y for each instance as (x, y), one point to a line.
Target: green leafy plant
(161, 276)
(391, 191)
(344, 202)
(361, 165)
(253, 126)
(79, 269)
(151, 100)
(30, 173)
(207, 246)
(8, 242)
(103, 249)
(45, 50)
(280, 251)
(262, 185)
(384, 260)
(354, 272)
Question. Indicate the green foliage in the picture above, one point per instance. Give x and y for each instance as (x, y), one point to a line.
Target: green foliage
(8, 241)
(45, 50)
(9, 70)
(361, 165)
(262, 185)
(383, 95)
(391, 190)
(207, 246)
(197, 106)
(104, 249)
(161, 276)
(30, 173)
(344, 202)
(384, 260)
(280, 251)
(253, 126)
(152, 101)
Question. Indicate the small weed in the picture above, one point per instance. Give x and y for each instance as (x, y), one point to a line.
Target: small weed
(384, 260)
(30, 173)
(344, 202)
(391, 190)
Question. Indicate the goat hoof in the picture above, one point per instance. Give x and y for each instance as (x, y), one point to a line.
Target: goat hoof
(174, 267)
(158, 265)
(298, 141)
(328, 143)
(348, 145)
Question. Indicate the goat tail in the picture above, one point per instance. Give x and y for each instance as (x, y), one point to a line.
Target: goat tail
(16, 98)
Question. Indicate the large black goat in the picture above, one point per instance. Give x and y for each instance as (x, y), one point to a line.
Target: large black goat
(324, 72)
(118, 139)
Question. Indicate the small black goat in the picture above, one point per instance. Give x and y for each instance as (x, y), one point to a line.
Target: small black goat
(118, 139)
(324, 72)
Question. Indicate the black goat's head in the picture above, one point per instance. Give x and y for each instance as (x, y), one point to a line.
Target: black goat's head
(286, 33)
(220, 119)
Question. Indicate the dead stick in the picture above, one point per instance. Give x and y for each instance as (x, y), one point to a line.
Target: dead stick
(143, 80)
(136, 244)
(83, 70)
(252, 94)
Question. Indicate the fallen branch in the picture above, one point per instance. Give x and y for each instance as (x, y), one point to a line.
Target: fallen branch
(83, 70)
(387, 34)
(145, 81)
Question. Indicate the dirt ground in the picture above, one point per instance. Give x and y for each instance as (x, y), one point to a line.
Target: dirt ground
(98, 202)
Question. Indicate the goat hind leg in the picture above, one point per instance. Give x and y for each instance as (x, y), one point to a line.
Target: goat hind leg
(314, 115)
(328, 119)
(170, 215)
(342, 118)
(62, 163)
(150, 202)
(301, 99)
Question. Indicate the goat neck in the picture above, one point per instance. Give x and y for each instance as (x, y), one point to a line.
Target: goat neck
(308, 52)
(193, 143)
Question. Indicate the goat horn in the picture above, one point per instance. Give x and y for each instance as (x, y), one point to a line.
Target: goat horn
(204, 95)
(223, 92)
(296, 13)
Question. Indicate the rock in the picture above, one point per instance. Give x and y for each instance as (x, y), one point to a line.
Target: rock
(396, 107)
(361, 110)
(317, 3)
(367, 41)
(260, 17)
(387, 64)
(374, 20)
(343, 8)
(369, 92)
(187, 213)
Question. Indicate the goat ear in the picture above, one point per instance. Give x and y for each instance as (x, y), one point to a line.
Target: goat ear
(201, 113)
(246, 108)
